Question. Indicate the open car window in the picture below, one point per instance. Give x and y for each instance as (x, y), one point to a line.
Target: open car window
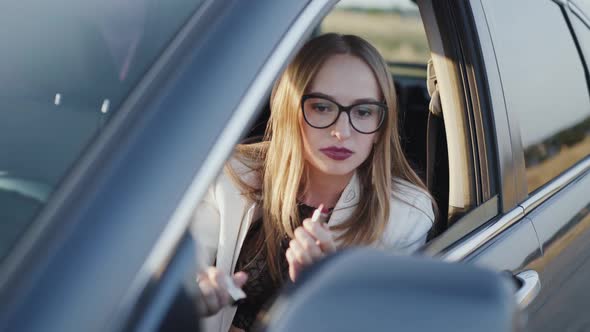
(393, 27)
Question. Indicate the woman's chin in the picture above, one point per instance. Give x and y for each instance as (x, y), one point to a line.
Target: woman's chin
(337, 168)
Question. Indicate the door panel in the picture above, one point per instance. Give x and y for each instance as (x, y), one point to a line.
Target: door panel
(516, 249)
(563, 226)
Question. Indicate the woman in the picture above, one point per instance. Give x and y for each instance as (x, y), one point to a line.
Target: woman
(332, 142)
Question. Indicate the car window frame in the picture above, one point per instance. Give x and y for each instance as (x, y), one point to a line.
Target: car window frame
(473, 86)
(514, 202)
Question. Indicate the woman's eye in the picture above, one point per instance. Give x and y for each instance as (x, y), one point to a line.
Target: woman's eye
(321, 108)
(363, 113)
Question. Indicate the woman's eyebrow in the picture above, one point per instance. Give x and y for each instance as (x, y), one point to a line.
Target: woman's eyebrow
(365, 100)
(356, 101)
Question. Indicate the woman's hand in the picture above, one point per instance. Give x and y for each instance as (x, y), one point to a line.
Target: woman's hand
(214, 294)
(312, 241)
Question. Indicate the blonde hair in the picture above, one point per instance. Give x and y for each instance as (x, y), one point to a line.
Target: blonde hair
(279, 163)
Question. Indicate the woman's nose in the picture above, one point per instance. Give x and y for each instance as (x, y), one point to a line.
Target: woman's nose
(341, 129)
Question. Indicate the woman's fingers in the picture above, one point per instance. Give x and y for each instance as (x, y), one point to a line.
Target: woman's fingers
(294, 266)
(308, 243)
(209, 298)
(214, 289)
(322, 234)
(217, 279)
(303, 258)
(240, 278)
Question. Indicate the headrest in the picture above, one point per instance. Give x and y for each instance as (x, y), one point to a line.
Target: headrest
(435, 106)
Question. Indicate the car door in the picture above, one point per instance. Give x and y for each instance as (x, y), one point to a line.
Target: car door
(106, 246)
(537, 77)
(557, 165)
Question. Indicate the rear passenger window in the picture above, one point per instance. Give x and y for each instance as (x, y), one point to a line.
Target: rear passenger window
(66, 66)
(544, 84)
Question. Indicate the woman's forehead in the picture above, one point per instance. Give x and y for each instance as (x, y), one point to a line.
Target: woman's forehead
(346, 78)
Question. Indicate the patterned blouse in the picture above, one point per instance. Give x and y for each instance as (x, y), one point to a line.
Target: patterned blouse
(260, 288)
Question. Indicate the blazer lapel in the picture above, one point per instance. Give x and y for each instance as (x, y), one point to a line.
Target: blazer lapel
(346, 204)
(252, 214)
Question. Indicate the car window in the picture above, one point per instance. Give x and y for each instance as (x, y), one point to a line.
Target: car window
(394, 27)
(544, 84)
(66, 67)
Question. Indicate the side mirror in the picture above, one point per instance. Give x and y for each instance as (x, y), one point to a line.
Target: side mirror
(368, 290)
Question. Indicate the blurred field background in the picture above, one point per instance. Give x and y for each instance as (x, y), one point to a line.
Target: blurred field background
(397, 34)
(543, 172)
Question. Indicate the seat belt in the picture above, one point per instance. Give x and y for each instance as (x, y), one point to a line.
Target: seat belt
(434, 124)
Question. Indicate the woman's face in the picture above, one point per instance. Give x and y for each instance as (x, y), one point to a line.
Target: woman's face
(340, 149)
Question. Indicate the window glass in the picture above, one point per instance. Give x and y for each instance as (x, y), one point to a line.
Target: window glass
(66, 67)
(544, 84)
(394, 27)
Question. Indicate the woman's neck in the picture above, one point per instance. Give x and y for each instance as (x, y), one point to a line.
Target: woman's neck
(324, 189)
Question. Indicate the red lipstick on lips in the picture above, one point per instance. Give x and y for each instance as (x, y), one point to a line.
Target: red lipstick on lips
(337, 153)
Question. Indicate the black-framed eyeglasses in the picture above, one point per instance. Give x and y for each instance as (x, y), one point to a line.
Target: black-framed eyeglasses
(321, 112)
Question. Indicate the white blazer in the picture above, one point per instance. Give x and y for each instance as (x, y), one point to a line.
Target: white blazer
(221, 220)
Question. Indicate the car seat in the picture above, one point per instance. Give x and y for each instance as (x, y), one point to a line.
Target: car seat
(437, 161)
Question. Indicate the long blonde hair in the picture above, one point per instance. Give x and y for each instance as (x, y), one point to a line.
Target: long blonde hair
(279, 163)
